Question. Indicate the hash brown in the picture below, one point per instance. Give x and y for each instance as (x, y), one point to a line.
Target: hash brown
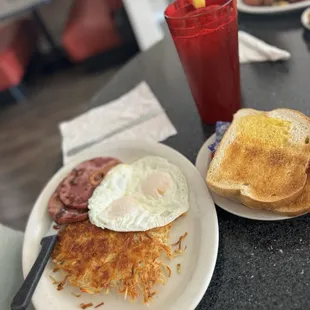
(96, 259)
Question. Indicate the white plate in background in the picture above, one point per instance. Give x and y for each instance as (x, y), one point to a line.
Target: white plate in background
(244, 8)
(182, 291)
(305, 20)
(202, 164)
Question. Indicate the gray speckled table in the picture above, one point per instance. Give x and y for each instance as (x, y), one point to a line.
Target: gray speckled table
(261, 265)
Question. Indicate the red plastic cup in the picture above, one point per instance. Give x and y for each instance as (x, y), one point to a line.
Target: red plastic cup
(207, 43)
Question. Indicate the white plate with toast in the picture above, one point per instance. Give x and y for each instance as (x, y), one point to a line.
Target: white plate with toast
(202, 164)
(183, 291)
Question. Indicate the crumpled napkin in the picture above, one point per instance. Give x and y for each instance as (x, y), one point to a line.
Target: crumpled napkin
(135, 115)
(252, 49)
(11, 279)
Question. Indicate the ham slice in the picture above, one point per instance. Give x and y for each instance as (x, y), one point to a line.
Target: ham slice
(77, 187)
(69, 202)
(63, 215)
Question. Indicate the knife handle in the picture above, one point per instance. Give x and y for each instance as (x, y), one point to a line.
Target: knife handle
(24, 295)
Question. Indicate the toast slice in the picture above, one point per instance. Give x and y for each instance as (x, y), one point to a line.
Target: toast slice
(262, 159)
(299, 206)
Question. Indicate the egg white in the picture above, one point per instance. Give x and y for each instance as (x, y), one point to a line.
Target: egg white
(149, 193)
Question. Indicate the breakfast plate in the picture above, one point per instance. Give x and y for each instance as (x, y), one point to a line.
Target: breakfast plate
(202, 163)
(244, 8)
(183, 290)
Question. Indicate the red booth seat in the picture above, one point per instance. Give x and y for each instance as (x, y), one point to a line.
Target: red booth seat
(90, 29)
(17, 42)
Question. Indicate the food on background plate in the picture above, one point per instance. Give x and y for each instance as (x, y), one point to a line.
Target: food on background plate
(69, 203)
(130, 263)
(258, 2)
(270, 2)
(262, 161)
(149, 193)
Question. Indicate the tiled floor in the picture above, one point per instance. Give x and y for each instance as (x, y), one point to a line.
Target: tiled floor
(30, 140)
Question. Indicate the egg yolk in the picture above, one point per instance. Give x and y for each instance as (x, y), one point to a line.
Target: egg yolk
(121, 207)
(156, 184)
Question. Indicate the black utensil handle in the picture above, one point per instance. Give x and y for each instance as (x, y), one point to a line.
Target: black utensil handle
(24, 295)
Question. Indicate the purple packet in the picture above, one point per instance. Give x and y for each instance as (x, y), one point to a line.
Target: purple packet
(220, 129)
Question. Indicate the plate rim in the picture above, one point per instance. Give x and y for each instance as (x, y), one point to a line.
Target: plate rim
(244, 8)
(203, 151)
(303, 18)
(203, 278)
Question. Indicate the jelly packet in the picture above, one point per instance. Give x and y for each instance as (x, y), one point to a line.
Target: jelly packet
(220, 129)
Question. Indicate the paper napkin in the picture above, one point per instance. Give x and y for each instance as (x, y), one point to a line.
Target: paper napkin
(11, 244)
(252, 49)
(135, 115)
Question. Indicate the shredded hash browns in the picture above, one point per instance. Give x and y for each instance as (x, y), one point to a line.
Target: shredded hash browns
(98, 259)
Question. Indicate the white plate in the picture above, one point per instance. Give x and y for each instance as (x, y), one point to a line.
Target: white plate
(305, 18)
(202, 164)
(242, 7)
(182, 291)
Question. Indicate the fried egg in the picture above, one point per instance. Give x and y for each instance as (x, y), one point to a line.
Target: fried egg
(149, 193)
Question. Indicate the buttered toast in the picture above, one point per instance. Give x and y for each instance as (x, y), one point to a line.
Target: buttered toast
(263, 160)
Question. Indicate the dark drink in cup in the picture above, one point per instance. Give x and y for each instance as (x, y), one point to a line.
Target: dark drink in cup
(207, 43)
